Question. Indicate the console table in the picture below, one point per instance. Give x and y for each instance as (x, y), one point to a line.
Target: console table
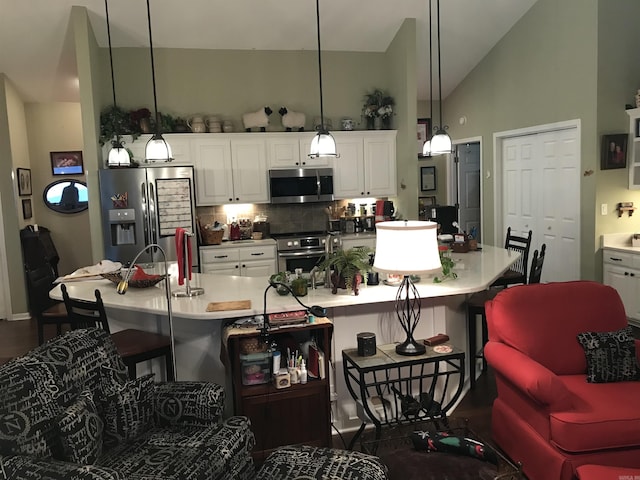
(392, 389)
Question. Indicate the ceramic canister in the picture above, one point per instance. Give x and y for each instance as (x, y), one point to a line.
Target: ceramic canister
(196, 124)
(347, 123)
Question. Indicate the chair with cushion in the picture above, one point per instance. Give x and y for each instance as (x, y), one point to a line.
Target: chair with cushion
(134, 346)
(45, 310)
(475, 307)
(69, 411)
(517, 274)
(566, 372)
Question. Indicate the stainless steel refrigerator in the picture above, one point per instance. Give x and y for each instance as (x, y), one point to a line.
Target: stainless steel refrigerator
(145, 205)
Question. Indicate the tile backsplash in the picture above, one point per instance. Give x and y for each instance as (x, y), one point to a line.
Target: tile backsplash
(282, 218)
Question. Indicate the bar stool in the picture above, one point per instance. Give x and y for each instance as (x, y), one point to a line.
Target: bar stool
(134, 346)
(517, 273)
(475, 306)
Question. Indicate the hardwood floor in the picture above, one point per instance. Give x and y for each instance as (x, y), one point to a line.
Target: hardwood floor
(18, 337)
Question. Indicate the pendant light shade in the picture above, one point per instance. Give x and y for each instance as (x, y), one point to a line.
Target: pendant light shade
(118, 155)
(441, 141)
(157, 148)
(323, 144)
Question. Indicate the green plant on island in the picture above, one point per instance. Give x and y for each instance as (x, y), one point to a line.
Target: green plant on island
(447, 269)
(347, 264)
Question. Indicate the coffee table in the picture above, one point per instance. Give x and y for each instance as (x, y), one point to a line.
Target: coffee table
(404, 462)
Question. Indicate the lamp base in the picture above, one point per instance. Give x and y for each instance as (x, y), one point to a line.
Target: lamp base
(410, 348)
(192, 292)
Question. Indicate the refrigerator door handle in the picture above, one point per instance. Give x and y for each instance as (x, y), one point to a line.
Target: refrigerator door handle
(153, 215)
(145, 213)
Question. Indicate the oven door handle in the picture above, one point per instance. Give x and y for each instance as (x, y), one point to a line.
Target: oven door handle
(308, 253)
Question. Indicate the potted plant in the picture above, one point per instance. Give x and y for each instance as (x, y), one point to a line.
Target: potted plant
(114, 121)
(348, 265)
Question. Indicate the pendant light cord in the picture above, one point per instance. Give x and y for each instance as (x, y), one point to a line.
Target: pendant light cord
(439, 65)
(319, 65)
(113, 81)
(430, 67)
(153, 70)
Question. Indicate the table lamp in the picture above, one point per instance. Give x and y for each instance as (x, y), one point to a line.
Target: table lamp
(407, 248)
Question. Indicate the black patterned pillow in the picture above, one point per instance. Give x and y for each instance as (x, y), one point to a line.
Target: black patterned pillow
(80, 431)
(128, 408)
(611, 356)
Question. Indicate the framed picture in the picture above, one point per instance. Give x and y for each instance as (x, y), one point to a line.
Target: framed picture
(427, 179)
(24, 181)
(26, 208)
(424, 133)
(66, 163)
(614, 151)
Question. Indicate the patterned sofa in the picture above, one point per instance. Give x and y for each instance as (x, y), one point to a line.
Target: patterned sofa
(68, 411)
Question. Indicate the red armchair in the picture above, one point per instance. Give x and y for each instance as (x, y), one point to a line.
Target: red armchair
(546, 414)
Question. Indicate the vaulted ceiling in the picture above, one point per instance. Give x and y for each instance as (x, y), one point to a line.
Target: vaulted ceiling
(37, 53)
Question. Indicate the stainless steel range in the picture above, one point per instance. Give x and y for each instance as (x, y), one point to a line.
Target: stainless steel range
(304, 250)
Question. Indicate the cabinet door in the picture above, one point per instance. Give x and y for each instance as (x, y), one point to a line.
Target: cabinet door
(348, 174)
(214, 181)
(222, 269)
(180, 144)
(249, 161)
(380, 166)
(283, 151)
(258, 268)
(619, 277)
(369, 242)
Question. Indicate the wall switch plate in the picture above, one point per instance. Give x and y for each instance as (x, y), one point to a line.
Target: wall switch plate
(603, 209)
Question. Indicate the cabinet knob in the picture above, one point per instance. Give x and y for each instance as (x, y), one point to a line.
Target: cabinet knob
(237, 266)
(626, 273)
(244, 266)
(632, 274)
(304, 163)
(237, 199)
(231, 199)
(361, 193)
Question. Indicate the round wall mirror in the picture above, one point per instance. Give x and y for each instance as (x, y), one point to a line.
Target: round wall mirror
(66, 196)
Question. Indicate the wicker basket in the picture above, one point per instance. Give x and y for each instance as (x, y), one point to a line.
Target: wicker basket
(252, 345)
(211, 237)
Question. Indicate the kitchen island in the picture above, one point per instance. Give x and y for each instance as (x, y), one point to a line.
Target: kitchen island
(198, 332)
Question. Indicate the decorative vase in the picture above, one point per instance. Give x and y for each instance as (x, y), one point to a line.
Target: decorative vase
(386, 123)
(371, 123)
(145, 125)
(377, 124)
(338, 281)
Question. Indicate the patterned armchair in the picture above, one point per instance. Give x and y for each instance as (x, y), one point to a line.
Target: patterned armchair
(68, 411)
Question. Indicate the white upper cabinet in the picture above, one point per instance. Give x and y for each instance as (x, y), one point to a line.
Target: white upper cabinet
(634, 148)
(214, 176)
(291, 150)
(249, 165)
(366, 166)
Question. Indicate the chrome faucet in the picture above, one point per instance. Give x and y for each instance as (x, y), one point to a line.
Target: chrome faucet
(312, 276)
(328, 251)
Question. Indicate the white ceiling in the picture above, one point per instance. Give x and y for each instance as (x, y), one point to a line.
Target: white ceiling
(36, 47)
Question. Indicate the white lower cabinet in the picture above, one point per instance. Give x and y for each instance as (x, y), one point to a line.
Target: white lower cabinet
(358, 241)
(246, 260)
(622, 272)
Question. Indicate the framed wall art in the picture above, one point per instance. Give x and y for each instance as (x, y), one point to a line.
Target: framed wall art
(424, 134)
(66, 163)
(24, 181)
(26, 208)
(614, 151)
(427, 179)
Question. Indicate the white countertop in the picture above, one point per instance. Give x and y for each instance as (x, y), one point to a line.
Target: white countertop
(476, 271)
(620, 242)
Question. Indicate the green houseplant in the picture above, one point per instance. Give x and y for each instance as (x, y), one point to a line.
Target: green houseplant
(348, 265)
(116, 121)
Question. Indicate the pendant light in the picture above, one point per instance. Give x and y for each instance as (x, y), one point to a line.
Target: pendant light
(441, 141)
(157, 149)
(426, 148)
(118, 155)
(323, 144)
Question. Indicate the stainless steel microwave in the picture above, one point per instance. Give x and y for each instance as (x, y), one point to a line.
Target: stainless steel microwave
(301, 185)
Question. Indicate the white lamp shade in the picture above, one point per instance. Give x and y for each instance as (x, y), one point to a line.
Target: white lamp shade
(158, 150)
(440, 143)
(118, 156)
(426, 148)
(407, 247)
(323, 145)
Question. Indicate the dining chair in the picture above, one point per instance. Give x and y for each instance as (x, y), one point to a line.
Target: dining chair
(45, 310)
(475, 306)
(517, 273)
(134, 346)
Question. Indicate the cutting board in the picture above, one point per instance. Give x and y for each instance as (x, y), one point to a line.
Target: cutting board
(230, 305)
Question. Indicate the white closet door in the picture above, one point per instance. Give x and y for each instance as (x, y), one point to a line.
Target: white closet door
(541, 192)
